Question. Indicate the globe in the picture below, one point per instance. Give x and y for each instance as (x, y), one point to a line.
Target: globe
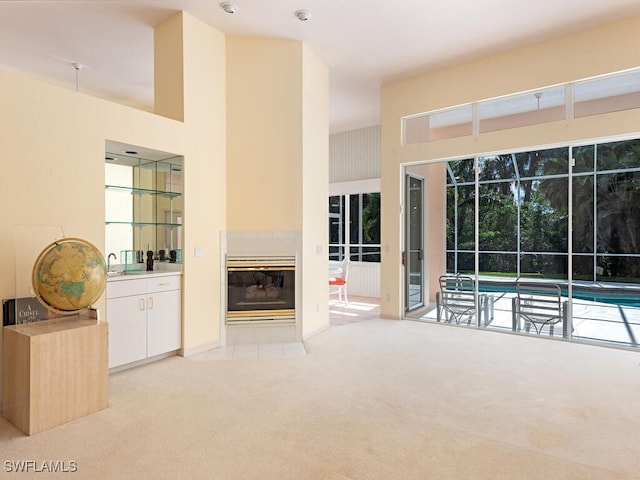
(69, 275)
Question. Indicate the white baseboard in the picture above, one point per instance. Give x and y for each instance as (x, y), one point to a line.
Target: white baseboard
(316, 332)
(144, 361)
(205, 347)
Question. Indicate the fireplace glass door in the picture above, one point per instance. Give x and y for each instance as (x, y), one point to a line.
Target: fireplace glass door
(260, 289)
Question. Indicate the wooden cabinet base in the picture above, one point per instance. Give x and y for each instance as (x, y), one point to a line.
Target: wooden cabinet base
(54, 371)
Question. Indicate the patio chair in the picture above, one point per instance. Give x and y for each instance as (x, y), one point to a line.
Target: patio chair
(540, 305)
(458, 300)
(338, 283)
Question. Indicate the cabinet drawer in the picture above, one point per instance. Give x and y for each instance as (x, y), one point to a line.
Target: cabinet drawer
(126, 288)
(163, 284)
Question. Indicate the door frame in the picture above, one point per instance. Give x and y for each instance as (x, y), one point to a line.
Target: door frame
(406, 256)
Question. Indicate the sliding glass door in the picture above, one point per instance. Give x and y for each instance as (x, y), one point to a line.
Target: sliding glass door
(565, 217)
(522, 232)
(606, 242)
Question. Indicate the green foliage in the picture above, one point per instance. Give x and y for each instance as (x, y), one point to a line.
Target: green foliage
(523, 198)
(371, 218)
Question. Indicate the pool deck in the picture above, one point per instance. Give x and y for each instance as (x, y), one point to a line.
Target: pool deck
(591, 321)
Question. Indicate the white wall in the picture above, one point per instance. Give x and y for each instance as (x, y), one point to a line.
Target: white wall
(354, 155)
(364, 278)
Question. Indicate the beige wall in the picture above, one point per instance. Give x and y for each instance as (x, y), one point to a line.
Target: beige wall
(168, 63)
(204, 179)
(594, 52)
(53, 142)
(315, 192)
(277, 161)
(264, 136)
(250, 118)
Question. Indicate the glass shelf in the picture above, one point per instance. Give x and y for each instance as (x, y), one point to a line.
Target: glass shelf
(143, 191)
(144, 201)
(144, 224)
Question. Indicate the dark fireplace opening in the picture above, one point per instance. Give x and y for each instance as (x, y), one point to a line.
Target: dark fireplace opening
(260, 289)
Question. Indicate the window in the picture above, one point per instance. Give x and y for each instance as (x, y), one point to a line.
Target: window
(566, 216)
(608, 93)
(606, 212)
(449, 123)
(522, 217)
(523, 220)
(354, 224)
(336, 227)
(520, 110)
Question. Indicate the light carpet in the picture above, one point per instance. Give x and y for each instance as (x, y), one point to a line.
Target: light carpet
(378, 399)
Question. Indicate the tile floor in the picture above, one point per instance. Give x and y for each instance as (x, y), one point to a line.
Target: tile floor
(357, 310)
(255, 350)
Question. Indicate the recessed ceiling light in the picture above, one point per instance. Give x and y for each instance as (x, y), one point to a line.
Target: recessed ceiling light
(110, 159)
(303, 15)
(130, 152)
(229, 7)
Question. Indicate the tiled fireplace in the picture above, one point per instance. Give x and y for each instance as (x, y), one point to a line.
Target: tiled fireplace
(261, 287)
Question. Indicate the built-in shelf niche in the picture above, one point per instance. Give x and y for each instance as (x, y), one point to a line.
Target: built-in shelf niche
(143, 203)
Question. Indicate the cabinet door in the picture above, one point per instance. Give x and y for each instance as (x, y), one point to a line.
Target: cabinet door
(127, 317)
(164, 329)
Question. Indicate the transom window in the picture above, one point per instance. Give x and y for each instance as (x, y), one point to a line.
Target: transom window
(609, 93)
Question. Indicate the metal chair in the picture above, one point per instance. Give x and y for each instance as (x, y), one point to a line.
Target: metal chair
(540, 305)
(458, 299)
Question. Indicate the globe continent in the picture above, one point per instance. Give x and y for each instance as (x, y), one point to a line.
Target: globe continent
(69, 275)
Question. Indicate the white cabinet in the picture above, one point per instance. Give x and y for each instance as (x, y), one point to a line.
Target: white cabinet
(144, 316)
(164, 333)
(127, 320)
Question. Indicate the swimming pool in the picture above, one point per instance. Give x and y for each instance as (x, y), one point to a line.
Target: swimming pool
(615, 295)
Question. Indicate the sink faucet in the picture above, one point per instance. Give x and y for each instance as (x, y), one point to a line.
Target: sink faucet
(109, 261)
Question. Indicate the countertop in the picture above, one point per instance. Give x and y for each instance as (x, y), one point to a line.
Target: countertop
(117, 277)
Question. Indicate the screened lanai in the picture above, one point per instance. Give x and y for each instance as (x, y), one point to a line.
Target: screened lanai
(537, 217)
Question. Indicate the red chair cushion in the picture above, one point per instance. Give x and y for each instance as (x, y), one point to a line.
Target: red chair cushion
(337, 281)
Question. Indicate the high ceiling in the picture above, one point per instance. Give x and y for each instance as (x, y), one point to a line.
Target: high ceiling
(365, 43)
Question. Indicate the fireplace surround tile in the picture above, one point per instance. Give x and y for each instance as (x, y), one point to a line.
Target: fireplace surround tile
(261, 243)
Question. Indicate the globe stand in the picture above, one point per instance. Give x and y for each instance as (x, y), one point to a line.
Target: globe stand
(55, 370)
